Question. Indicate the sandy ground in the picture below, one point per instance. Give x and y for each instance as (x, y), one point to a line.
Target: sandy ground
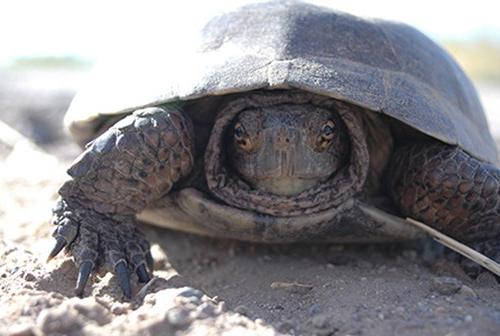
(205, 286)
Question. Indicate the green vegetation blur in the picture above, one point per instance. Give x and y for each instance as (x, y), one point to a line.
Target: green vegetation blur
(479, 57)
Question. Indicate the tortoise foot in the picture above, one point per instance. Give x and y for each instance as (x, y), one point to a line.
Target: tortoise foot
(121, 172)
(100, 243)
(448, 189)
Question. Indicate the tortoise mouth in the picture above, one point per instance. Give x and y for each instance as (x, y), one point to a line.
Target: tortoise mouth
(229, 188)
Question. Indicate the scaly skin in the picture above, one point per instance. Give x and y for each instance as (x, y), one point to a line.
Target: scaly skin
(128, 167)
(446, 188)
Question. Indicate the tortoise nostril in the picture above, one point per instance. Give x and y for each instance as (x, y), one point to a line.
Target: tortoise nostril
(282, 142)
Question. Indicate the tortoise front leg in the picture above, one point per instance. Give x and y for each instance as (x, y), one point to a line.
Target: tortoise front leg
(448, 189)
(128, 167)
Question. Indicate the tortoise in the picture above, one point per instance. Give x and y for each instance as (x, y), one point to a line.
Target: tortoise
(278, 123)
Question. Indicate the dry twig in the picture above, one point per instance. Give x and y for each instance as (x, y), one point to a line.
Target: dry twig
(441, 238)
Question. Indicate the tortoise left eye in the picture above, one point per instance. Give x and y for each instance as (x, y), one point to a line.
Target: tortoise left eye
(328, 130)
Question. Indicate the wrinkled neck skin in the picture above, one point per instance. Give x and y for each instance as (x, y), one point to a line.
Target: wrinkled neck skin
(288, 148)
(286, 153)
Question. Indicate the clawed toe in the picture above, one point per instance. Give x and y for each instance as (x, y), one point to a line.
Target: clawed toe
(142, 274)
(59, 245)
(98, 242)
(121, 271)
(83, 275)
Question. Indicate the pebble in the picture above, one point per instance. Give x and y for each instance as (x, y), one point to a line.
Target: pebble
(92, 310)
(410, 254)
(29, 277)
(314, 309)
(341, 259)
(400, 310)
(467, 292)
(21, 330)
(159, 257)
(58, 321)
(242, 310)
(286, 327)
(323, 326)
(321, 321)
(178, 317)
(292, 287)
(440, 310)
(446, 285)
(169, 294)
(486, 279)
(364, 264)
(191, 293)
(206, 310)
(220, 308)
(119, 308)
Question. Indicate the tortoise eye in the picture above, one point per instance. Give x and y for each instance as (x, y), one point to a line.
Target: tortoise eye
(239, 131)
(241, 137)
(326, 135)
(328, 130)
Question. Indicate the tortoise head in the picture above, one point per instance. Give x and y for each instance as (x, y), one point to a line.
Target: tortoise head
(288, 148)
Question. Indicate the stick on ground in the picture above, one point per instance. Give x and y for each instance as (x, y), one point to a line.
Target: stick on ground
(441, 238)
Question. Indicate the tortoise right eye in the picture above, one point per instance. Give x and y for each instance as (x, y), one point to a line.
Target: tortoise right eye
(239, 131)
(241, 138)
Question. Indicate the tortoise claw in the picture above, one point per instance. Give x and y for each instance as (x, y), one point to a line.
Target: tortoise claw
(122, 274)
(142, 273)
(59, 245)
(83, 275)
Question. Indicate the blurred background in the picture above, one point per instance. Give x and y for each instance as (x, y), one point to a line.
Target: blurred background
(48, 48)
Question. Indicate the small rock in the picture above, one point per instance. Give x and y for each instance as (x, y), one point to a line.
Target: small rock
(323, 326)
(242, 310)
(189, 292)
(119, 308)
(221, 307)
(446, 285)
(285, 327)
(440, 310)
(58, 320)
(314, 309)
(277, 307)
(178, 317)
(28, 286)
(364, 264)
(293, 287)
(400, 310)
(21, 330)
(410, 254)
(29, 277)
(320, 321)
(167, 297)
(159, 257)
(467, 292)
(340, 259)
(92, 310)
(486, 279)
(206, 310)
